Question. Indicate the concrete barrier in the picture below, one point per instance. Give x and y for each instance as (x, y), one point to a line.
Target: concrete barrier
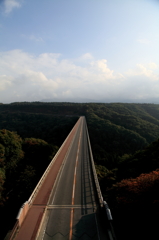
(22, 213)
(19, 219)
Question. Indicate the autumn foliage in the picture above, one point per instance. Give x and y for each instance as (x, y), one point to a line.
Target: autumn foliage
(142, 191)
(135, 205)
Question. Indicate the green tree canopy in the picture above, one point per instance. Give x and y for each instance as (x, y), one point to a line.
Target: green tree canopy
(10, 149)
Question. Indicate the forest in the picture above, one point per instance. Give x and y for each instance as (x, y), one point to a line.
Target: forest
(125, 144)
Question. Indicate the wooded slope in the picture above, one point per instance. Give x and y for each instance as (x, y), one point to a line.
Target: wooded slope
(120, 134)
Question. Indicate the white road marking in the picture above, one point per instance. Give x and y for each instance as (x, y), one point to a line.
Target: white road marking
(74, 184)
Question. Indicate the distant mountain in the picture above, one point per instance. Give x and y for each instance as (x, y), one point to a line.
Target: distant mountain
(104, 100)
(75, 100)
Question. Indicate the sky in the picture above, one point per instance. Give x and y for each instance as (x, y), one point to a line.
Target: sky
(79, 50)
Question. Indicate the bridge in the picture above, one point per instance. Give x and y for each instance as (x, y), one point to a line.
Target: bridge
(67, 203)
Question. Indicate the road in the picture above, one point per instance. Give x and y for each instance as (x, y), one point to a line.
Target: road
(27, 230)
(72, 208)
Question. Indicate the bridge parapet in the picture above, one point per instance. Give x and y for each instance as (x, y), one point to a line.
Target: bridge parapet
(100, 197)
(103, 204)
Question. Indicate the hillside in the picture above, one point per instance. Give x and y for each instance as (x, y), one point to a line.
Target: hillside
(140, 120)
(133, 196)
(124, 139)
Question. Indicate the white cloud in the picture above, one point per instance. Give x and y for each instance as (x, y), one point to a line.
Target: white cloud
(143, 41)
(35, 38)
(145, 70)
(101, 67)
(32, 37)
(10, 5)
(152, 65)
(5, 82)
(142, 82)
(86, 56)
(26, 77)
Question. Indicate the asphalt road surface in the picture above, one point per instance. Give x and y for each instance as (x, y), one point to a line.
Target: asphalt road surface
(71, 210)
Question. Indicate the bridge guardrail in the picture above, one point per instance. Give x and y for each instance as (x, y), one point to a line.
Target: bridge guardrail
(103, 204)
(100, 197)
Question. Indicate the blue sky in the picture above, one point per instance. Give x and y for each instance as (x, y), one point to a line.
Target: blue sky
(79, 49)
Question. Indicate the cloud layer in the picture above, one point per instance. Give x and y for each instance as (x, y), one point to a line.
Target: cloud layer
(10, 5)
(26, 77)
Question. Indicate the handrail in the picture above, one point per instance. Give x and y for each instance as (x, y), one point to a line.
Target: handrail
(100, 197)
(103, 204)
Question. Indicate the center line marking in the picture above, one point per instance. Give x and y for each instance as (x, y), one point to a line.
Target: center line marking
(74, 184)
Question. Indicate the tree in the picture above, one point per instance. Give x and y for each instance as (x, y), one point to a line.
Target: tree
(10, 155)
(11, 146)
(135, 205)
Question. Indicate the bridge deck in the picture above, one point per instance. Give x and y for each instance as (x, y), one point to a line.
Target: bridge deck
(66, 206)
